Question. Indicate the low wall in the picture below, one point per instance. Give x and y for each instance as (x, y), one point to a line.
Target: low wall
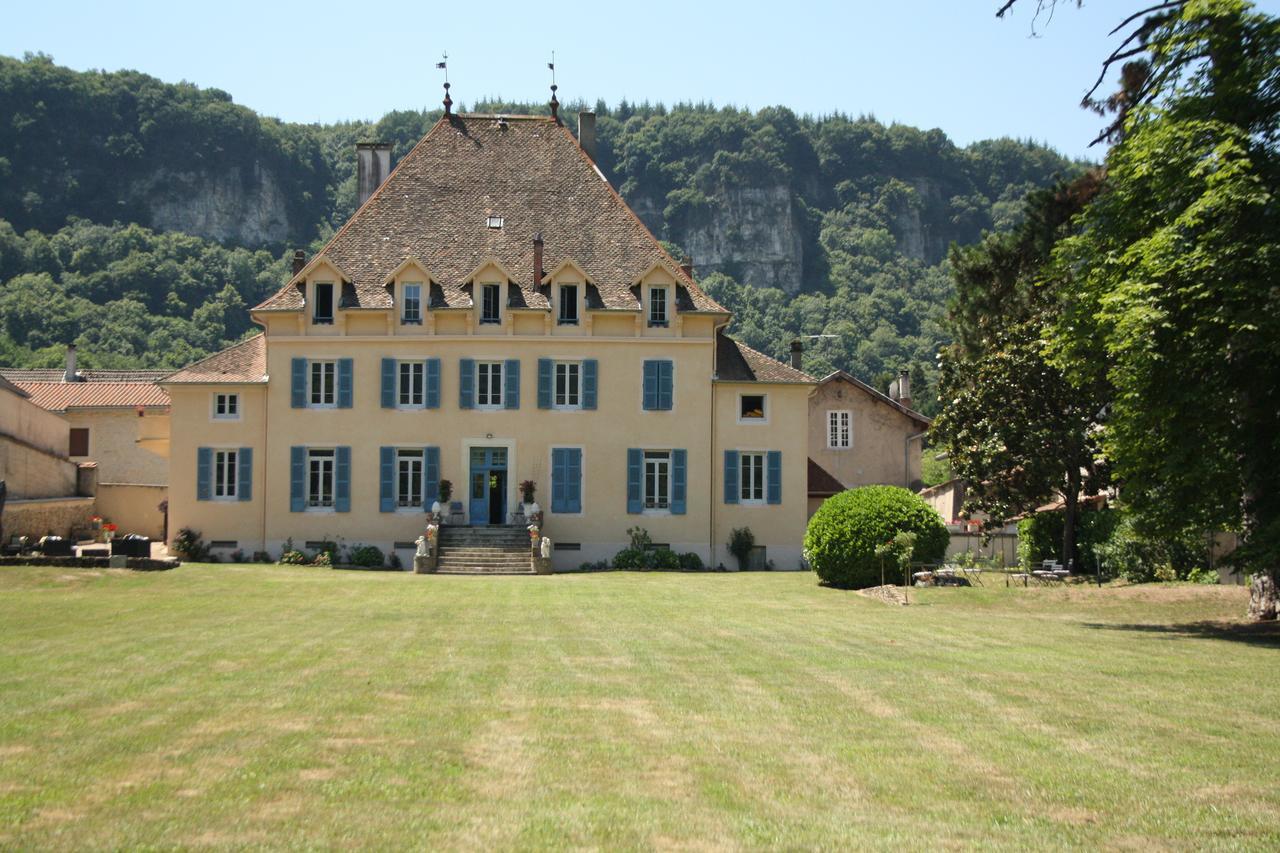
(66, 517)
(34, 473)
(134, 508)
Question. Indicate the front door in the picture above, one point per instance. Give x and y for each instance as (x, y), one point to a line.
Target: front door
(488, 493)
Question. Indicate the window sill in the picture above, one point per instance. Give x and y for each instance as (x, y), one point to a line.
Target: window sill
(662, 325)
(753, 421)
(491, 322)
(320, 510)
(225, 418)
(654, 511)
(409, 407)
(319, 321)
(567, 408)
(566, 322)
(405, 321)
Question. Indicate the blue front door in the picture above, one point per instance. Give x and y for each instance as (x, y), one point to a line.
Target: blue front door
(488, 485)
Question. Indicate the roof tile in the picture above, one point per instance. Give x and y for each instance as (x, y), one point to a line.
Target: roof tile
(244, 362)
(737, 362)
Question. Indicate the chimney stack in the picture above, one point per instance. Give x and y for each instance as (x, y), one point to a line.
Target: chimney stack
(299, 260)
(686, 266)
(70, 375)
(373, 166)
(797, 354)
(904, 388)
(537, 259)
(587, 134)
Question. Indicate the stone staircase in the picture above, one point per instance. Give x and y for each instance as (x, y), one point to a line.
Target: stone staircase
(484, 551)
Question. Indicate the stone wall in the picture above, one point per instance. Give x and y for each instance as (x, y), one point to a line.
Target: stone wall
(67, 517)
(114, 443)
(33, 473)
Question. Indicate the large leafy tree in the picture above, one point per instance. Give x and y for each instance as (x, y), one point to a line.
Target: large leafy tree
(1173, 284)
(1015, 428)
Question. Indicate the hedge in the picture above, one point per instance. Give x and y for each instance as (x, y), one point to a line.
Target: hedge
(842, 536)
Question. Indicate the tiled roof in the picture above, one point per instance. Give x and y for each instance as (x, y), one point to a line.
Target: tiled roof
(883, 398)
(526, 169)
(55, 374)
(737, 362)
(60, 396)
(821, 481)
(244, 362)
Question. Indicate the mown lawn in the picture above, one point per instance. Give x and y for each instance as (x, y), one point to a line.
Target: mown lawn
(277, 706)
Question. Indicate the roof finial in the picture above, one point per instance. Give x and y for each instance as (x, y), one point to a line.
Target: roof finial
(443, 64)
(555, 104)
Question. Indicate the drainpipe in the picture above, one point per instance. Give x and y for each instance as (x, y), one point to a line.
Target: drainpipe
(711, 463)
(906, 457)
(266, 437)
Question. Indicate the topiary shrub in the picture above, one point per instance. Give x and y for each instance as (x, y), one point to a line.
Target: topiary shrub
(628, 558)
(690, 562)
(843, 534)
(367, 556)
(663, 558)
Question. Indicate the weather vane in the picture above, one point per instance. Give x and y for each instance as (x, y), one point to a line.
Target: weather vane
(555, 104)
(443, 65)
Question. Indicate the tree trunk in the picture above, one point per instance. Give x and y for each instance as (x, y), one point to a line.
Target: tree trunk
(1262, 597)
(1070, 512)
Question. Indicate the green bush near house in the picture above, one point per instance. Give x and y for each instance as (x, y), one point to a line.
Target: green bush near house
(1141, 559)
(843, 534)
(367, 556)
(1040, 537)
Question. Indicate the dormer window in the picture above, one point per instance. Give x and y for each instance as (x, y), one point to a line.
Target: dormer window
(568, 305)
(323, 312)
(494, 222)
(657, 306)
(411, 303)
(490, 307)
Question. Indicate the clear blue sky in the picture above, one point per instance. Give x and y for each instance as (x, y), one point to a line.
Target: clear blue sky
(931, 63)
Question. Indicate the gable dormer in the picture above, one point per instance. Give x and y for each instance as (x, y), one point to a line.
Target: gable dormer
(410, 287)
(566, 287)
(658, 292)
(323, 284)
(490, 283)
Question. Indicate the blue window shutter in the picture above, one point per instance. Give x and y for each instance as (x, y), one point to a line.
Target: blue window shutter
(387, 479)
(731, 476)
(467, 383)
(345, 380)
(545, 368)
(204, 474)
(559, 478)
(299, 376)
(431, 473)
(773, 464)
(244, 476)
(511, 381)
(573, 480)
(651, 385)
(342, 480)
(679, 462)
(388, 383)
(635, 473)
(664, 385)
(589, 370)
(297, 479)
(433, 383)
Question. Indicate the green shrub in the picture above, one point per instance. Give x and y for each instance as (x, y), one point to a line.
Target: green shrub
(840, 543)
(394, 561)
(291, 556)
(640, 539)
(629, 558)
(741, 541)
(190, 546)
(1145, 559)
(691, 562)
(369, 556)
(1040, 537)
(594, 566)
(323, 560)
(662, 558)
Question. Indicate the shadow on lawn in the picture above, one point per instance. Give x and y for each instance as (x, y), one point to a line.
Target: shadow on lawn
(1254, 633)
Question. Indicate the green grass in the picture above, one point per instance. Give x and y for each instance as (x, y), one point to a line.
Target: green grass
(280, 706)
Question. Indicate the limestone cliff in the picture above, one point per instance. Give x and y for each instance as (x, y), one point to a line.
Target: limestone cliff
(237, 205)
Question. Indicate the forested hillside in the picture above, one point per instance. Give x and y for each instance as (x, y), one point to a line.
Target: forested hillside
(139, 218)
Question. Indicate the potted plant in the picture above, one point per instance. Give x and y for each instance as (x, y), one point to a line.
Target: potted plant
(109, 530)
(527, 490)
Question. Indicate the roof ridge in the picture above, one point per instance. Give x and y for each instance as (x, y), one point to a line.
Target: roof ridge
(211, 356)
(810, 377)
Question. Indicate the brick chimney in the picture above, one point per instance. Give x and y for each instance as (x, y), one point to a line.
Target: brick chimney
(537, 259)
(70, 375)
(299, 260)
(372, 167)
(587, 134)
(797, 354)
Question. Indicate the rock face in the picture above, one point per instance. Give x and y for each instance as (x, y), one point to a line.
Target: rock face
(234, 205)
(751, 233)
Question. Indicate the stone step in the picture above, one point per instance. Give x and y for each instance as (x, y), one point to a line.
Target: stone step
(450, 557)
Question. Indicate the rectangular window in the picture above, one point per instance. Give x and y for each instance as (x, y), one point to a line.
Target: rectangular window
(657, 306)
(324, 383)
(657, 479)
(489, 383)
(409, 478)
(568, 304)
(490, 311)
(410, 392)
(79, 442)
(751, 407)
(324, 303)
(839, 430)
(751, 488)
(320, 478)
(226, 407)
(224, 473)
(412, 307)
(568, 385)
